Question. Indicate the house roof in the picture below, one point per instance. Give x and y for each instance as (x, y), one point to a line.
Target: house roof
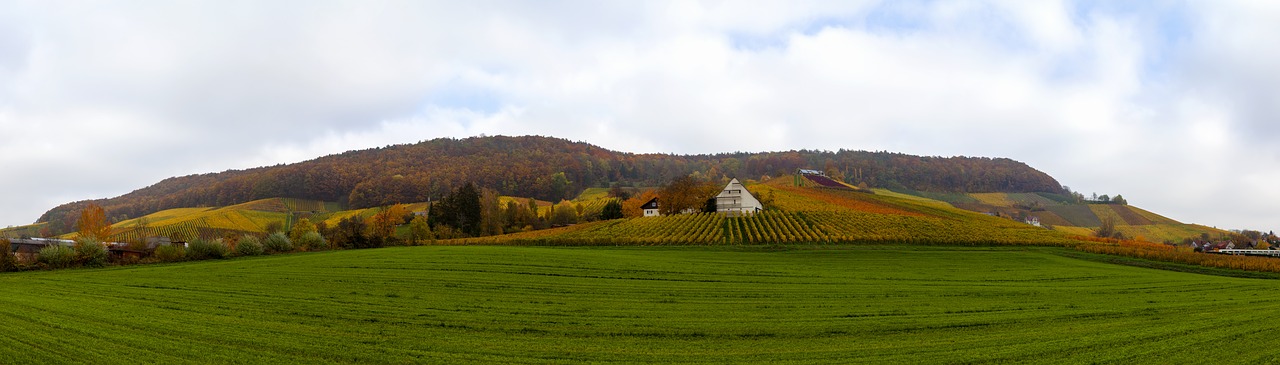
(734, 185)
(652, 204)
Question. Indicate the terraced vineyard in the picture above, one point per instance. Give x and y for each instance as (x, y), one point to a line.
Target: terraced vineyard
(804, 215)
(250, 217)
(838, 304)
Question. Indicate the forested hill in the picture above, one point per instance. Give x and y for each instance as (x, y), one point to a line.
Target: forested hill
(545, 168)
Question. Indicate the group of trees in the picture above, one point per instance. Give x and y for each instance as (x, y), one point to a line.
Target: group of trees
(1095, 198)
(682, 194)
(539, 167)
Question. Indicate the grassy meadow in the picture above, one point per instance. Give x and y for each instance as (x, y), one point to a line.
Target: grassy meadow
(718, 304)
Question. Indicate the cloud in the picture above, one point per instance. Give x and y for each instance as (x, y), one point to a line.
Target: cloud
(1169, 104)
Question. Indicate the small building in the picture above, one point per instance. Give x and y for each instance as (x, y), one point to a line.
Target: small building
(1033, 220)
(28, 249)
(651, 208)
(735, 199)
(123, 253)
(811, 172)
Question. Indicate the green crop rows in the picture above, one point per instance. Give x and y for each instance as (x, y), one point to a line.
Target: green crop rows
(718, 304)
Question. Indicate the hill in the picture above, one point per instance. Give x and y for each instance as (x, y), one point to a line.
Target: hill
(545, 168)
(848, 304)
(1066, 214)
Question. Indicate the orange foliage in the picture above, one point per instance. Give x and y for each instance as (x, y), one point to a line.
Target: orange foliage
(93, 223)
(1167, 253)
(384, 223)
(631, 207)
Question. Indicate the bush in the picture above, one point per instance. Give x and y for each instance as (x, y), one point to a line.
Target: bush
(249, 246)
(7, 261)
(90, 253)
(206, 250)
(277, 243)
(57, 256)
(170, 253)
(311, 241)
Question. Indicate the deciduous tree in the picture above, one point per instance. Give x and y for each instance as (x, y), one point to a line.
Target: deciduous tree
(685, 193)
(631, 207)
(300, 228)
(419, 232)
(564, 213)
(93, 223)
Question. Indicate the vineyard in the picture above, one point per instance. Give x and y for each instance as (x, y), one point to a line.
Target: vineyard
(32, 230)
(785, 227)
(592, 207)
(246, 218)
(800, 215)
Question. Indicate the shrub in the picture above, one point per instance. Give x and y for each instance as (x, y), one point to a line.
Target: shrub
(90, 253)
(311, 241)
(7, 261)
(249, 246)
(206, 250)
(277, 243)
(170, 253)
(57, 256)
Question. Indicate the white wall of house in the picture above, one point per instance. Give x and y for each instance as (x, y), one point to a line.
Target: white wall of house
(736, 199)
(650, 212)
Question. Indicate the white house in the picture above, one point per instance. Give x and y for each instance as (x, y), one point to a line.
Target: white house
(651, 208)
(736, 199)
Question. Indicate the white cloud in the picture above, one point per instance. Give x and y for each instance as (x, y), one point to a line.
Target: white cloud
(1168, 104)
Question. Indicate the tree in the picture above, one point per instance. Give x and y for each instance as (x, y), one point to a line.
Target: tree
(1119, 200)
(616, 191)
(492, 218)
(1108, 229)
(460, 210)
(418, 231)
(7, 261)
(710, 206)
(274, 227)
(631, 207)
(303, 226)
(382, 226)
(564, 214)
(559, 185)
(611, 210)
(90, 252)
(685, 193)
(93, 223)
(350, 233)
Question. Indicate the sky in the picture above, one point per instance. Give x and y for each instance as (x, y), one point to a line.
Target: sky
(1172, 104)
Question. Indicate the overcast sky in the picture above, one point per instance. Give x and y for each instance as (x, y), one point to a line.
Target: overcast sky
(1172, 104)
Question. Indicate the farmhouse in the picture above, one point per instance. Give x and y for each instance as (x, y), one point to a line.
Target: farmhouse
(650, 208)
(736, 199)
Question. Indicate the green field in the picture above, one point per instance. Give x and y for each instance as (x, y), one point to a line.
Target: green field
(728, 304)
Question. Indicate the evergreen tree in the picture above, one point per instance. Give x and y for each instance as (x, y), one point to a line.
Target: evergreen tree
(460, 210)
(611, 210)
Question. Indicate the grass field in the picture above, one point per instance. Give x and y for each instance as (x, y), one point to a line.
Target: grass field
(727, 304)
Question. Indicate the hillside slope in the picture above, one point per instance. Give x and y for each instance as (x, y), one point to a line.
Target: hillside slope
(799, 214)
(541, 167)
(1065, 214)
